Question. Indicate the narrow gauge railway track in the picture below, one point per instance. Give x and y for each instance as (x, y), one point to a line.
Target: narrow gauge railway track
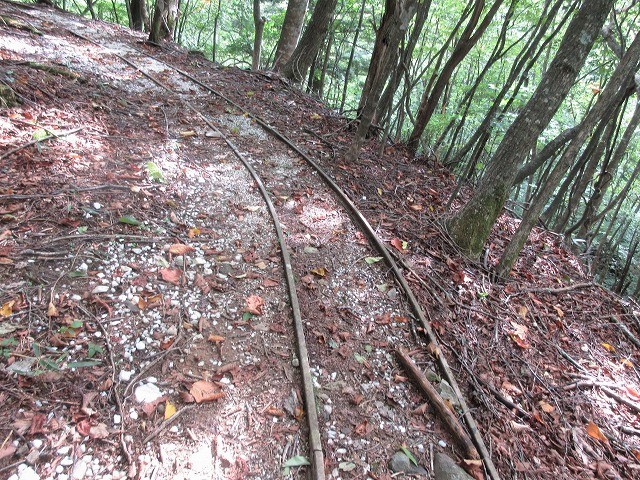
(320, 207)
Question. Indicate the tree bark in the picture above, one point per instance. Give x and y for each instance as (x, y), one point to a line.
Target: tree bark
(471, 226)
(165, 15)
(394, 24)
(290, 33)
(298, 64)
(258, 22)
(616, 89)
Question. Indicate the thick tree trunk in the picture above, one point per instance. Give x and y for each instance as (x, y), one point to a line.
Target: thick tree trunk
(165, 15)
(394, 24)
(290, 33)
(298, 64)
(258, 22)
(609, 99)
(471, 226)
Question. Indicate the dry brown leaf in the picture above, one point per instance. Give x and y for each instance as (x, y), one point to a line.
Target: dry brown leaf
(398, 245)
(52, 311)
(204, 391)
(254, 305)
(180, 249)
(171, 275)
(99, 431)
(519, 334)
(269, 282)
(193, 232)
(594, 432)
(320, 271)
(7, 451)
(215, 338)
(7, 309)
(546, 407)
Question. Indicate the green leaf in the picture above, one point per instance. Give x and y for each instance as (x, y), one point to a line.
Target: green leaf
(359, 358)
(83, 229)
(155, 173)
(93, 349)
(40, 134)
(77, 274)
(76, 324)
(371, 260)
(332, 343)
(129, 220)
(297, 461)
(247, 316)
(346, 466)
(49, 364)
(84, 363)
(368, 348)
(409, 454)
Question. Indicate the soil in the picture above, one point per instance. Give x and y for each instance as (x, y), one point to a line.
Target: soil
(145, 324)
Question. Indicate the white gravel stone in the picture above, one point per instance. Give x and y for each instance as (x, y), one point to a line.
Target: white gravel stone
(37, 443)
(100, 289)
(125, 375)
(117, 419)
(140, 345)
(66, 461)
(133, 415)
(147, 393)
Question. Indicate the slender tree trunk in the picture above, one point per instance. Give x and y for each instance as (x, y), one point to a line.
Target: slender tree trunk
(471, 226)
(614, 91)
(468, 39)
(396, 18)
(351, 55)
(214, 41)
(290, 33)
(258, 22)
(298, 64)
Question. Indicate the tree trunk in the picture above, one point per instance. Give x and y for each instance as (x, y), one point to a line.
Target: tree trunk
(139, 18)
(614, 91)
(394, 24)
(351, 55)
(471, 226)
(467, 40)
(290, 33)
(298, 64)
(258, 22)
(165, 15)
(214, 41)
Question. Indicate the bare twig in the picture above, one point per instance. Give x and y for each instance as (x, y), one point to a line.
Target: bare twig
(33, 142)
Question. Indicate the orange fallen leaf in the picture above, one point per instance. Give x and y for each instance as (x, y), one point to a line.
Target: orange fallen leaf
(594, 432)
(7, 309)
(519, 334)
(254, 305)
(193, 232)
(171, 275)
(608, 347)
(398, 245)
(275, 412)
(633, 393)
(269, 282)
(546, 407)
(180, 249)
(522, 311)
(416, 207)
(204, 391)
(215, 338)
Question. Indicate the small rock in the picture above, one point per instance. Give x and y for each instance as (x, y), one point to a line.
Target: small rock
(66, 461)
(79, 470)
(400, 463)
(328, 409)
(140, 345)
(147, 393)
(447, 393)
(125, 375)
(64, 450)
(37, 443)
(133, 415)
(442, 443)
(117, 419)
(100, 289)
(25, 472)
(310, 249)
(444, 468)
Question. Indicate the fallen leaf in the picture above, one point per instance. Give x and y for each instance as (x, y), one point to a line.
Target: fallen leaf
(522, 311)
(320, 271)
(204, 391)
(171, 275)
(188, 133)
(416, 207)
(269, 282)
(546, 407)
(99, 431)
(519, 334)
(52, 311)
(608, 347)
(7, 309)
(180, 249)
(169, 410)
(215, 338)
(399, 245)
(633, 393)
(594, 432)
(193, 232)
(254, 305)
(371, 260)
(7, 451)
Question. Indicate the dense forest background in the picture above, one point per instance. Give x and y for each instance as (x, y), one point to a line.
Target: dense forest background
(544, 89)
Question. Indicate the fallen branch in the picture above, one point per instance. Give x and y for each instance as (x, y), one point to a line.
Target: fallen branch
(443, 410)
(33, 142)
(626, 331)
(166, 423)
(577, 286)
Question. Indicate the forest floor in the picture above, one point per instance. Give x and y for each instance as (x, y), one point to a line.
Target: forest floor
(145, 327)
